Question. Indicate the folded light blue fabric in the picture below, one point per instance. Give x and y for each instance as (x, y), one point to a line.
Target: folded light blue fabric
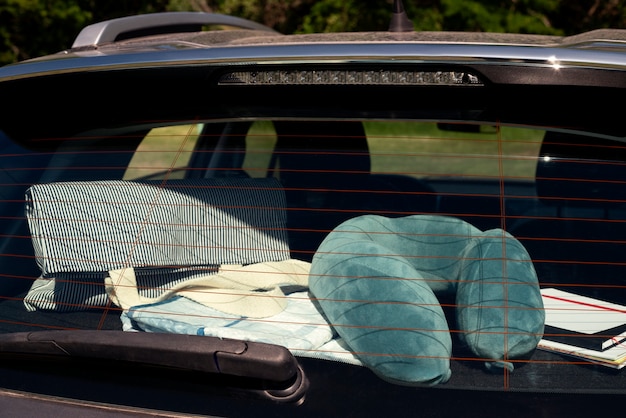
(300, 326)
(377, 281)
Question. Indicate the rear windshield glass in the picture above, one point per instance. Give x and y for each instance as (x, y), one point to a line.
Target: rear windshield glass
(441, 253)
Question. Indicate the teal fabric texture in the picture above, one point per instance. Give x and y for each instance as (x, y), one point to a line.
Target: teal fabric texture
(378, 280)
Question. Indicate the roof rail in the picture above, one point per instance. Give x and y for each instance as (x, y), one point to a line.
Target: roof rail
(157, 23)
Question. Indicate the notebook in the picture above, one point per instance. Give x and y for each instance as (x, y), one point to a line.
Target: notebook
(582, 321)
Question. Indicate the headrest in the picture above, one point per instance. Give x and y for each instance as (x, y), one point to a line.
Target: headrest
(321, 149)
(578, 170)
(104, 225)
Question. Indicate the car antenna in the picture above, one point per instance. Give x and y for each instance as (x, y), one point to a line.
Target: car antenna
(400, 22)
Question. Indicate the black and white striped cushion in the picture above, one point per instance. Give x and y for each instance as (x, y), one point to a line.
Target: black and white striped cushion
(168, 232)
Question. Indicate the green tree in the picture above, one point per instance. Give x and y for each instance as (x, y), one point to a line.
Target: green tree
(103, 9)
(521, 16)
(583, 15)
(30, 28)
(34, 27)
(283, 15)
(347, 15)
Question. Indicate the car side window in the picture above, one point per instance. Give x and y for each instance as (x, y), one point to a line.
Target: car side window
(165, 151)
(260, 143)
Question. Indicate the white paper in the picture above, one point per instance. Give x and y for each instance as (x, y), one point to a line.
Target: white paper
(580, 313)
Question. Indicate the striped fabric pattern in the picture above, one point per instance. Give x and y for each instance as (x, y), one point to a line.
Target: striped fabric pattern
(170, 232)
(77, 291)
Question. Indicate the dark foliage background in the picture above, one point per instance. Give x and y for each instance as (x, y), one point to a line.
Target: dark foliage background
(29, 28)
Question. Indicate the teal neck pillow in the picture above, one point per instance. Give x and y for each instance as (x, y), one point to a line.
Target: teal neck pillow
(378, 280)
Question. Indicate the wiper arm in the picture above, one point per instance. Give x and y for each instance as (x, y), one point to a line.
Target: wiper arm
(273, 365)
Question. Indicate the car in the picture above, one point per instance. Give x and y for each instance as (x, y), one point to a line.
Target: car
(237, 222)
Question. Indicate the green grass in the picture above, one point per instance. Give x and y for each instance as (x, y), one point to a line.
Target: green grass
(423, 150)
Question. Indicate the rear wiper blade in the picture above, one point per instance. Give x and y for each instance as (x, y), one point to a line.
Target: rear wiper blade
(272, 364)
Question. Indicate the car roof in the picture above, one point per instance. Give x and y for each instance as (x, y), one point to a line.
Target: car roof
(592, 39)
(170, 22)
(176, 36)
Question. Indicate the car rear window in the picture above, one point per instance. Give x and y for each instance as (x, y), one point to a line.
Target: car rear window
(379, 238)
